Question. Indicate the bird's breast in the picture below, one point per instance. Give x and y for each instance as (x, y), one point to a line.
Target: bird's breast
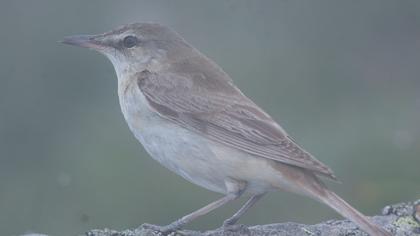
(134, 105)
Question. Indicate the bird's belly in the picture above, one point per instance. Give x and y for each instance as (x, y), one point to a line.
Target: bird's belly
(202, 161)
(183, 153)
(206, 163)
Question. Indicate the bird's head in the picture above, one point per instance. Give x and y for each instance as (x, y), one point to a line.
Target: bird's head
(134, 46)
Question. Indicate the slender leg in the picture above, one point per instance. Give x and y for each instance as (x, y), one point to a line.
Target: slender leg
(232, 220)
(188, 218)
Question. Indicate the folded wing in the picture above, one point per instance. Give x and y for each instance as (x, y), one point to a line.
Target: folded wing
(215, 108)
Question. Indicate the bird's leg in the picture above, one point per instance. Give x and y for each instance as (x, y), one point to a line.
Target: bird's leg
(178, 224)
(232, 220)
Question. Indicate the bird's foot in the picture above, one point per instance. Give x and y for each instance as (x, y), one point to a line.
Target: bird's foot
(171, 229)
(236, 228)
(229, 222)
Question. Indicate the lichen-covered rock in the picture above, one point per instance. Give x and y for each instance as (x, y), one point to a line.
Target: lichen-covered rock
(400, 219)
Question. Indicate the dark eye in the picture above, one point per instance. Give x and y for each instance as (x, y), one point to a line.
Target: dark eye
(130, 41)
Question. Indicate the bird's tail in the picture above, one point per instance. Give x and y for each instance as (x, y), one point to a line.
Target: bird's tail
(306, 182)
(344, 209)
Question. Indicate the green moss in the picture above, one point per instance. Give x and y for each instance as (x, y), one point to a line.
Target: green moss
(406, 221)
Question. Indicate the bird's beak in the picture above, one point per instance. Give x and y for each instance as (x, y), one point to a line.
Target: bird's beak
(85, 41)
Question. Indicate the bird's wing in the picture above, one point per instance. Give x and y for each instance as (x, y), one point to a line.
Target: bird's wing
(219, 111)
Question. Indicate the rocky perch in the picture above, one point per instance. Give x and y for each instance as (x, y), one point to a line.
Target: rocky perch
(401, 219)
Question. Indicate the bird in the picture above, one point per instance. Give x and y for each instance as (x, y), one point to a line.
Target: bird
(191, 118)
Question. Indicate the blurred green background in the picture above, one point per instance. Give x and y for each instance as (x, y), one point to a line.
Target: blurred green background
(341, 76)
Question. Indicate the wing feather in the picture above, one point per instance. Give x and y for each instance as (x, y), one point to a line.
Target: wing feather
(217, 109)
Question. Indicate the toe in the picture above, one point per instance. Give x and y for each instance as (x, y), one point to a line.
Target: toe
(228, 222)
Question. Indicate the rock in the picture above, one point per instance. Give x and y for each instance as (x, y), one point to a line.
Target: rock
(400, 219)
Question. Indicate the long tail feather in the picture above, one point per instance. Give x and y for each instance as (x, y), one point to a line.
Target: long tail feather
(343, 208)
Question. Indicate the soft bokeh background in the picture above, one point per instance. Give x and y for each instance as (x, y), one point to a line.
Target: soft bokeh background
(343, 77)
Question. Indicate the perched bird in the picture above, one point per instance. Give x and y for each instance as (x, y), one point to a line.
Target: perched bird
(191, 118)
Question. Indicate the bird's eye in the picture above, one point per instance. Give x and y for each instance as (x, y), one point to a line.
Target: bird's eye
(130, 41)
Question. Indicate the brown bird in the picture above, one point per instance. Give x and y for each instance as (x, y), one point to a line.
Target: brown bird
(190, 117)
